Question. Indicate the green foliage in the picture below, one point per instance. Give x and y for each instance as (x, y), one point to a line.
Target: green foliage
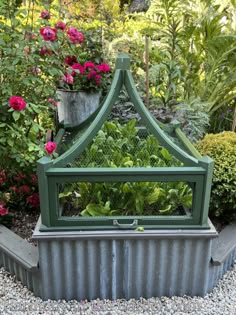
(122, 146)
(222, 148)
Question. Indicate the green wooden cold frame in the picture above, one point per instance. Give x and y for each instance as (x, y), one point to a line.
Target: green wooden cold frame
(196, 170)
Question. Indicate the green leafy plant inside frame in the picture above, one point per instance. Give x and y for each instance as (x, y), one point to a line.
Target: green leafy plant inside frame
(122, 146)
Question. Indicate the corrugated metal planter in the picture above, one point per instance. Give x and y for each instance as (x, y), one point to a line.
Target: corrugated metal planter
(124, 264)
(74, 107)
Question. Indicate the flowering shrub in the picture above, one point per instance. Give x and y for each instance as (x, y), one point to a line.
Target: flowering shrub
(18, 191)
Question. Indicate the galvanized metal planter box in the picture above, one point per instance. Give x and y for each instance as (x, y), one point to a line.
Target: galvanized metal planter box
(124, 264)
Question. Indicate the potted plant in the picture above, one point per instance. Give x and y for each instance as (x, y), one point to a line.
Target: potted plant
(80, 90)
(83, 76)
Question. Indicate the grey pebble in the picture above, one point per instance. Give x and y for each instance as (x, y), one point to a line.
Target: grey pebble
(17, 300)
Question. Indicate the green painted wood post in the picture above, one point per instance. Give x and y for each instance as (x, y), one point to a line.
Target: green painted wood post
(208, 164)
(43, 165)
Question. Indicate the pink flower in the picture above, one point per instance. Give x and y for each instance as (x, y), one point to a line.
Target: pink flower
(60, 25)
(103, 67)
(48, 33)
(24, 189)
(98, 79)
(68, 78)
(75, 37)
(45, 51)
(50, 147)
(13, 188)
(52, 101)
(92, 74)
(17, 103)
(77, 66)
(3, 211)
(88, 65)
(70, 60)
(2, 203)
(33, 200)
(45, 15)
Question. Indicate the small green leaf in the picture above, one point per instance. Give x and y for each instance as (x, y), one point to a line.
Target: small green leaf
(16, 115)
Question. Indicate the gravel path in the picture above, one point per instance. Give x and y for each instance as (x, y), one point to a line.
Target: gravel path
(16, 299)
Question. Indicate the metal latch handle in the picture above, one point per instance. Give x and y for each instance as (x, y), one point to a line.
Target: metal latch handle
(125, 226)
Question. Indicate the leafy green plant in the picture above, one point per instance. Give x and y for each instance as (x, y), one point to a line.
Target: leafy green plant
(222, 148)
(123, 146)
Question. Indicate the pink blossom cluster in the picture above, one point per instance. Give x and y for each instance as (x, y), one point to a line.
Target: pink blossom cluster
(91, 71)
(3, 210)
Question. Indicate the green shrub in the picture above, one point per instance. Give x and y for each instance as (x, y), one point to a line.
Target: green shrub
(222, 148)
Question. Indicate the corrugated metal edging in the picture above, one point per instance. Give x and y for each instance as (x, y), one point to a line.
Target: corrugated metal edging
(217, 272)
(112, 269)
(29, 278)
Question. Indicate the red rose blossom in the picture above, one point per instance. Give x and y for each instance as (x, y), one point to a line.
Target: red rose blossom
(33, 200)
(34, 178)
(50, 147)
(75, 37)
(17, 103)
(3, 176)
(24, 189)
(48, 33)
(45, 15)
(3, 211)
(60, 25)
(70, 60)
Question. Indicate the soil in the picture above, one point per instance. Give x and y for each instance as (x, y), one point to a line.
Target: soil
(23, 224)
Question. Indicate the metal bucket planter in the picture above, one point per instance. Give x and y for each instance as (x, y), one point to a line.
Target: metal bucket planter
(74, 107)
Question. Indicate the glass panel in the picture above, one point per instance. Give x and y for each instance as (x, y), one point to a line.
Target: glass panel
(125, 199)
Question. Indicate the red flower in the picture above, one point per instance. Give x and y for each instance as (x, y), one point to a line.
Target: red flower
(70, 60)
(24, 189)
(45, 51)
(2, 203)
(77, 66)
(45, 15)
(88, 65)
(75, 37)
(33, 200)
(48, 33)
(17, 103)
(3, 211)
(34, 179)
(103, 67)
(92, 74)
(50, 147)
(68, 78)
(60, 25)
(19, 177)
(13, 188)
(3, 176)
(98, 79)
(52, 101)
